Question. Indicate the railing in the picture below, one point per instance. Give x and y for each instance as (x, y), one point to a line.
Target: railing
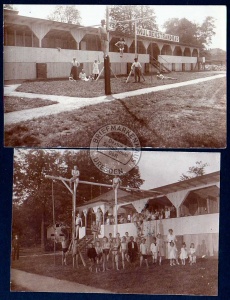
(159, 66)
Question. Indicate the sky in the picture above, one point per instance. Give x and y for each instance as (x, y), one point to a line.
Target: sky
(160, 168)
(91, 15)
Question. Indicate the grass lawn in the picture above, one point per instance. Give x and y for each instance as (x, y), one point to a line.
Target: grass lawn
(19, 103)
(189, 116)
(96, 88)
(199, 279)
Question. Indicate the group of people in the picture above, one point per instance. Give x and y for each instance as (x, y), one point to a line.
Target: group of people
(123, 250)
(82, 75)
(183, 254)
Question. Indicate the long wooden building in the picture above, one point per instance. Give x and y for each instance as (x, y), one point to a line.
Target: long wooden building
(38, 48)
(193, 206)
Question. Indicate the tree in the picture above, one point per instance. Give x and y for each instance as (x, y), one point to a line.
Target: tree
(190, 32)
(206, 31)
(66, 14)
(195, 171)
(186, 30)
(131, 12)
(32, 201)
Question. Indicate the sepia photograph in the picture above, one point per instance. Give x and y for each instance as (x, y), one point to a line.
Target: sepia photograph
(152, 228)
(70, 70)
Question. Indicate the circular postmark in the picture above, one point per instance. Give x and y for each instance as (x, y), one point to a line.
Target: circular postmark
(115, 149)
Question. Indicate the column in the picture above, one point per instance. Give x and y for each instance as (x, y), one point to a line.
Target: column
(40, 30)
(77, 35)
(177, 199)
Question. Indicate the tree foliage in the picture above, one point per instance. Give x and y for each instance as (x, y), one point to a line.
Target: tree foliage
(194, 171)
(132, 12)
(66, 14)
(190, 32)
(32, 201)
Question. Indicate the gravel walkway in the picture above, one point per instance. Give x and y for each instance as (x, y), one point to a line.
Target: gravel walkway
(39, 283)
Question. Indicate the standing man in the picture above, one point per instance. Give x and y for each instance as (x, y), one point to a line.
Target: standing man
(15, 246)
(78, 224)
(74, 71)
(136, 66)
(75, 174)
(99, 217)
(104, 38)
(132, 250)
(121, 45)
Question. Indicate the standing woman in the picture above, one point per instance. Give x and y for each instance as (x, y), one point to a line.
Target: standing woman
(96, 69)
(171, 238)
(74, 71)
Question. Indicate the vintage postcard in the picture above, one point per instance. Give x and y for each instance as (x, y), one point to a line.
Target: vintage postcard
(89, 221)
(71, 70)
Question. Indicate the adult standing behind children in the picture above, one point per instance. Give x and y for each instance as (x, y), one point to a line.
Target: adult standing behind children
(74, 70)
(136, 67)
(96, 68)
(132, 250)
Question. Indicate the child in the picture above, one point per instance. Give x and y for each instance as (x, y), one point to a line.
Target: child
(160, 247)
(64, 244)
(98, 249)
(154, 250)
(94, 229)
(124, 251)
(183, 254)
(105, 249)
(172, 253)
(115, 247)
(144, 252)
(192, 254)
(92, 254)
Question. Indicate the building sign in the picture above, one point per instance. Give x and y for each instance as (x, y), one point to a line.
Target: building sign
(157, 35)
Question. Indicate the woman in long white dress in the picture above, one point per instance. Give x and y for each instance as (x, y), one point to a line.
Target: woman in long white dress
(171, 238)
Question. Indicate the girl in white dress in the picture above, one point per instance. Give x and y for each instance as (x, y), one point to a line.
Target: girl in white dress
(171, 238)
(172, 253)
(183, 254)
(96, 69)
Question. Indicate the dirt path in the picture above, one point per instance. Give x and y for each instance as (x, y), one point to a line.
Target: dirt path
(39, 283)
(71, 103)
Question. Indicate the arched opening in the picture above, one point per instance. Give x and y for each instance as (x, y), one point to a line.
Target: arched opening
(200, 202)
(113, 48)
(140, 48)
(153, 50)
(177, 51)
(59, 39)
(194, 53)
(166, 50)
(161, 208)
(187, 52)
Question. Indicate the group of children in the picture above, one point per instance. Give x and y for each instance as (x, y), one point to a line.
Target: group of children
(82, 75)
(126, 250)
